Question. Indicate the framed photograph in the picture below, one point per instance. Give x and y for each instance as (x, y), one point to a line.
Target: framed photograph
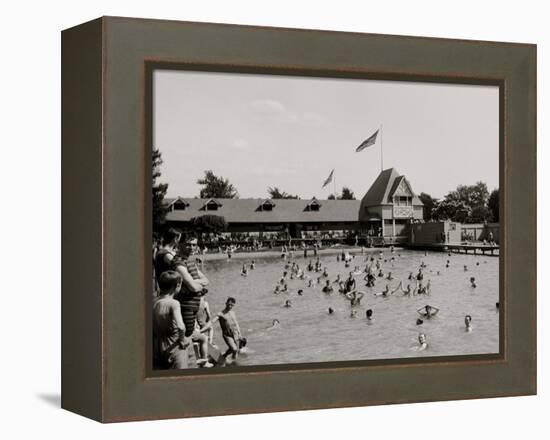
(263, 219)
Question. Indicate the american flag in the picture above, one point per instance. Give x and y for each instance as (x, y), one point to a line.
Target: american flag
(329, 178)
(370, 141)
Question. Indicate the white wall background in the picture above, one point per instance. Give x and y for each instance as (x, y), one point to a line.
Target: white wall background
(30, 218)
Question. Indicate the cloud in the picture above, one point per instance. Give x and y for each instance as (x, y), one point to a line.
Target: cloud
(277, 110)
(268, 106)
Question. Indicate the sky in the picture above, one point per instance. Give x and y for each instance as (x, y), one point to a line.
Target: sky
(263, 131)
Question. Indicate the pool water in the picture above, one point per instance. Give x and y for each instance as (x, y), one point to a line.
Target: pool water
(307, 333)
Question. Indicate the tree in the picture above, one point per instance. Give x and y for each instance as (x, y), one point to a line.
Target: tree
(429, 205)
(209, 224)
(332, 197)
(347, 194)
(470, 195)
(159, 192)
(480, 214)
(451, 210)
(216, 187)
(466, 204)
(493, 204)
(276, 193)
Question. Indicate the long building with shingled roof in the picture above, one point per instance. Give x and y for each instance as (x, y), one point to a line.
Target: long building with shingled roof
(385, 211)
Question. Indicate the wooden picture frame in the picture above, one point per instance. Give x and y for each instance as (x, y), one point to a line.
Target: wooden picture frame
(106, 215)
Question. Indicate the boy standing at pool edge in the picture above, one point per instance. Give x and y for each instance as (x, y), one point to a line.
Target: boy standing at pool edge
(231, 331)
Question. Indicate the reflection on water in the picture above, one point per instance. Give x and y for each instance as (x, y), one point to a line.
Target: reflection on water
(307, 333)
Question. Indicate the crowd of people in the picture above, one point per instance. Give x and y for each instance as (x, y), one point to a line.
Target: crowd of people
(374, 272)
(182, 320)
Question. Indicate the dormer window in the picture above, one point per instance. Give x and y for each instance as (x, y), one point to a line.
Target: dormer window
(267, 205)
(313, 206)
(211, 205)
(179, 205)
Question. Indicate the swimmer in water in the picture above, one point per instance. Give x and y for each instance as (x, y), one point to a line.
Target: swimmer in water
(468, 323)
(275, 324)
(384, 292)
(285, 288)
(310, 283)
(277, 289)
(428, 311)
(448, 264)
(287, 304)
(300, 292)
(350, 283)
(473, 282)
(410, 276)
(421, 289)
(368, 314)
(328, 288)
(330, 310)
(338, 279)
(370, 279)
(252, 265)
(389, 277)
(341, 287)
(355, 297)
(422, 342)
(325, 272)
(244, 271)
(420, 275)
(465, 268)
(419, 321)
(353, 314)
(406, 292)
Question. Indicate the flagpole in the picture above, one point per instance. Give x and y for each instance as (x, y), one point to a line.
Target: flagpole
(334, 185)
(381, 149)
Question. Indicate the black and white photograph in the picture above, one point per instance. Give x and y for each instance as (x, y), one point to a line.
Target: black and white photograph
(300, 219)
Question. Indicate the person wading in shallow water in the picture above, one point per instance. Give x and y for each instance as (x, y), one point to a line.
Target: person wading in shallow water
(350, 283)
(231, 331)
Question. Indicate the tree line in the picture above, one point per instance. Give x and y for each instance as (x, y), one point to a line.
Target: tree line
(466, 204)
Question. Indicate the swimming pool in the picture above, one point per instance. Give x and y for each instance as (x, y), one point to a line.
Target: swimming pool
(307, 333)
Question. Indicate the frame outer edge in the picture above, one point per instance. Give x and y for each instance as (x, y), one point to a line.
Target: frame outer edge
(81, 214)
(121, 390)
